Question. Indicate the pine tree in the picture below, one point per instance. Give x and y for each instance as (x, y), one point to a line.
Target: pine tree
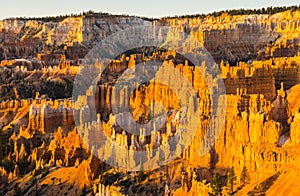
(231, 178)
(141, 176)
(1, 145)
(245, 178)
(216, 185)
(23, 153)
(84, 191)
(53, 180)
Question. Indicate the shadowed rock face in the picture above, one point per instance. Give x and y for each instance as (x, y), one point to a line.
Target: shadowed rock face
(259, 136)
(280, 111)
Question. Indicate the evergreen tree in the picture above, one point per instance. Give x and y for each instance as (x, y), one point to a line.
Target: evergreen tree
(84, 191)
(17, 191)
(245, 177)
(141, 176)
(216, 185)
(1, 145)
(53, 180)
(23, 153)
(231, 178)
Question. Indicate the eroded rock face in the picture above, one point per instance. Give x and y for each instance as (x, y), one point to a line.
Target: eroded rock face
(24, 80)
(241, 37)
(292, 97)
(26, 38)
(250, 136)
(254, 135)
(248, 139)
(229, 38)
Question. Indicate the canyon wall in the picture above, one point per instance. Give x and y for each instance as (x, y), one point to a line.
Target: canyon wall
(229, 38)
